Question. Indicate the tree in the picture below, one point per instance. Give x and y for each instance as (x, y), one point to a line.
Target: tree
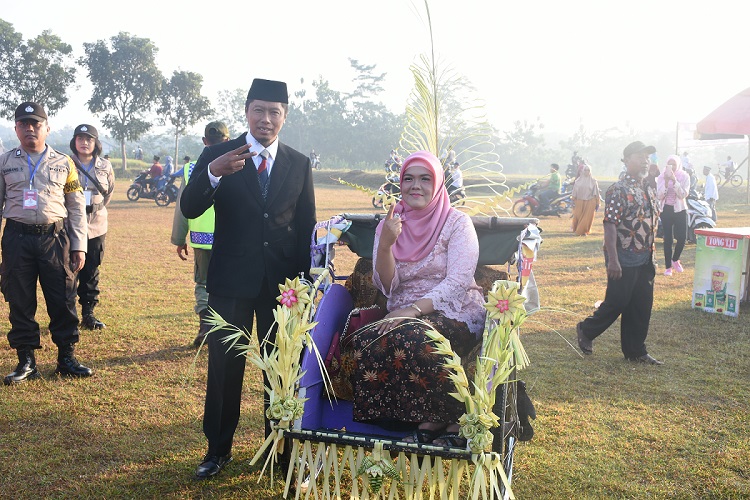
(126, 85)
(368, 85)
(523, 148)
(182, 104)
(319, 123)
(40, 70)
(231, 110)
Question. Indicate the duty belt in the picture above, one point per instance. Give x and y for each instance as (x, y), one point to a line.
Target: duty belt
(34, 228)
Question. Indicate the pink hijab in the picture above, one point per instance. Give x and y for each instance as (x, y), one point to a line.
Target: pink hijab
(420, 228)
(679, 174)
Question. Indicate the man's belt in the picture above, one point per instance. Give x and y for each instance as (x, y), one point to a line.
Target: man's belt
(34, 228)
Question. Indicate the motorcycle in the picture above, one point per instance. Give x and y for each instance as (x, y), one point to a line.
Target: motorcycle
(167, 191)
(575, 165)
(315, 161)
(699, 214)
(389, 188)
(163, 194)
(457, 196)
(530, 205)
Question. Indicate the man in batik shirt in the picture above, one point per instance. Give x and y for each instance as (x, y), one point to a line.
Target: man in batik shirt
(630, 215)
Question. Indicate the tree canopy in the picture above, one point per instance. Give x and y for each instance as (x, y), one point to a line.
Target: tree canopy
(127, 84)
(182, 104)
(39, 70)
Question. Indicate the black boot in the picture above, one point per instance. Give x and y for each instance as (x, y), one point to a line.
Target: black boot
(26, 369)
(203, 329)
(88, 320)
(68, 365)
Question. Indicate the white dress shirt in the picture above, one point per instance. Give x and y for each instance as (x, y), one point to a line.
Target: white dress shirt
(256, 147)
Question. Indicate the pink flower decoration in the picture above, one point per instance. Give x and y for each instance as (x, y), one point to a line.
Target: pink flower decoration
(289, 298)
(502, 305)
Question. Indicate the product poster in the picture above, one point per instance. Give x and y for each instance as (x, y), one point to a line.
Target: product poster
(721, 270)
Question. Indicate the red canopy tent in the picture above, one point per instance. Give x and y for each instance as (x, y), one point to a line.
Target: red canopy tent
(731, 118)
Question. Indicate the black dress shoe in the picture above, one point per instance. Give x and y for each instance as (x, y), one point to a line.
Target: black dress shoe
(586, 345)
(211, 466)
(647, 359)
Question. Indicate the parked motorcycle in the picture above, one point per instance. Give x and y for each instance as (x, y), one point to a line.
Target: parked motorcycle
(389, 188)
(530, 205)
(163, 194)
(699, 214)
(457, 196)
(315, 161)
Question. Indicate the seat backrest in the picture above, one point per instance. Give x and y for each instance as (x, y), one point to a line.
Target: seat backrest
(330, 317)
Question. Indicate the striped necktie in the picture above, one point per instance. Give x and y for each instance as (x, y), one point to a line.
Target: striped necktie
(263, 173)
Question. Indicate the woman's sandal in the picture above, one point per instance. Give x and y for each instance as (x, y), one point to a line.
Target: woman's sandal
(422, 436)
(450, 439)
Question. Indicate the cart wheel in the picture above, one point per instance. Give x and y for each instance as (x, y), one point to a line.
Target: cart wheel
(506, 435)
(134, 193)
(736, 180)
(162, 199)
(521, 209)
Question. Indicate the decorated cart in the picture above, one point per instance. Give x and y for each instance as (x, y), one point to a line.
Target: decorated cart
(326, 452)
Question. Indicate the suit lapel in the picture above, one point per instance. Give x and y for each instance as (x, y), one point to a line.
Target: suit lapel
(250, 173)
(280, 170)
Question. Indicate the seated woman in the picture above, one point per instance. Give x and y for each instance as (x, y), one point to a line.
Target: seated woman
(424, 257)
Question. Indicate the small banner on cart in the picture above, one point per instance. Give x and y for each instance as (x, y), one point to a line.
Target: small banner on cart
(722, 242)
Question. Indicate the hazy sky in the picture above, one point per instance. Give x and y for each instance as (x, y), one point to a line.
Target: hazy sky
(604, 63)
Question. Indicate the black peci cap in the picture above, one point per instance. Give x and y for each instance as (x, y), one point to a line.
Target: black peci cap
(268, 90)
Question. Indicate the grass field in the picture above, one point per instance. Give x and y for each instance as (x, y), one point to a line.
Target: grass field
(605, 428)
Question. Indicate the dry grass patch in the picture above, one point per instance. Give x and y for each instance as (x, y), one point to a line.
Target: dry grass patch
(606, 428)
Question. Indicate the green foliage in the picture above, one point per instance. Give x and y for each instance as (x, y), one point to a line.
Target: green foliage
(344, 128)
(39, 70)
(443, 117)
(181, 102)
(231, 110)
(126, 83)
(524, 147)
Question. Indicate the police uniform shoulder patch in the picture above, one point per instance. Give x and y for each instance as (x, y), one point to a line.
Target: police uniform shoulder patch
(18, 152)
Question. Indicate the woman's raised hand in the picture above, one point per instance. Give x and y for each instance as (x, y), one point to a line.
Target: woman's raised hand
(391, 228)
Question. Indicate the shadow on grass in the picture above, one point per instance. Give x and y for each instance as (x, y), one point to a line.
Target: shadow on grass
(186, 351)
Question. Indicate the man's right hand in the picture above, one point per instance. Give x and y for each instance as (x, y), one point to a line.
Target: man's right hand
(231, 161)
(182, 251)
(614, 271)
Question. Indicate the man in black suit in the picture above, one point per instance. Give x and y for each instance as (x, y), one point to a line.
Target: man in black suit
(263, 197)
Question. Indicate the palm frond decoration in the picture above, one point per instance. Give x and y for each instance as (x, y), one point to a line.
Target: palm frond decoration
(281, 361)
(443, 116)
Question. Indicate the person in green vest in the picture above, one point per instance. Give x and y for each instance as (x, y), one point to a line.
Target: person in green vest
(201, 232)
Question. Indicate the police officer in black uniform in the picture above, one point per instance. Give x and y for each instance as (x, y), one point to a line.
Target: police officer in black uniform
(44, 240)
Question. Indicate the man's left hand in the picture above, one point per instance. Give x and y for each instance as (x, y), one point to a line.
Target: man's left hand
(77, 260)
